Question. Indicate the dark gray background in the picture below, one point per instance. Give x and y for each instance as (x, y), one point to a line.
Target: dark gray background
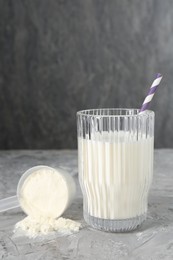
(57, 57)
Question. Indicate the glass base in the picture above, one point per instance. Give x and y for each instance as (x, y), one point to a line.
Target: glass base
(111, 225)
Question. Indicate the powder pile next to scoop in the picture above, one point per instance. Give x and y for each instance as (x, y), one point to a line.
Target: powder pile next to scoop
(33, 228)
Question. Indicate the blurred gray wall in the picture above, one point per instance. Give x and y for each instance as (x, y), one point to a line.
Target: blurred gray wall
(57, 57)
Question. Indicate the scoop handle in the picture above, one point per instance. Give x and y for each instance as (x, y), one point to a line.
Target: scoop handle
(9, 203)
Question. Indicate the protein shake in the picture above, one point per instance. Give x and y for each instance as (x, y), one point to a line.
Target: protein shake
(115, 156)
(116, 176)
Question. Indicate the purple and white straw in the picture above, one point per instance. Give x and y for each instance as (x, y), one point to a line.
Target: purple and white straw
(151, 93)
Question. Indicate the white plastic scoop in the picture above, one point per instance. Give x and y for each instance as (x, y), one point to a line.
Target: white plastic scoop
(9, 203)
(64, 190)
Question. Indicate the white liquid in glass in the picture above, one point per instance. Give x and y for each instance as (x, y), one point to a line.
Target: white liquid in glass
(115, 173)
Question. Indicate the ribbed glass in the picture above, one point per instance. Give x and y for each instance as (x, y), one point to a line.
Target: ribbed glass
(115, 161)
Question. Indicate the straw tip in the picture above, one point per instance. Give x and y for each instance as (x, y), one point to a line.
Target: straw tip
(159, 75)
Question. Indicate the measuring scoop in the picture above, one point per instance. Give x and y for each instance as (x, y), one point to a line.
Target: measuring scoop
(65, 188)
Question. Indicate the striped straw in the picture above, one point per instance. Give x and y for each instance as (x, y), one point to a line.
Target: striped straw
(151, 93)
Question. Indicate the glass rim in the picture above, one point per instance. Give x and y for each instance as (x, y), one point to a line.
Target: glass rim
(146, 113)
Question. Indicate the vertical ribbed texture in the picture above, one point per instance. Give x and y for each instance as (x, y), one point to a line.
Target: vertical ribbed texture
(115, 156)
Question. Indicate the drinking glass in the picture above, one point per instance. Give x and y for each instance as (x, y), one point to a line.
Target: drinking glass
(115, 162)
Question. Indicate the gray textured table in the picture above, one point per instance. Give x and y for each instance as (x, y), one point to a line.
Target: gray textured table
(154, 240)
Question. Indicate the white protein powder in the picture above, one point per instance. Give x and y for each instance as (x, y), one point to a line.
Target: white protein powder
(34, 228)
(44, 195)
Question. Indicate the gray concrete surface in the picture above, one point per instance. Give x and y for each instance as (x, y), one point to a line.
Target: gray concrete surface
(153, 241)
